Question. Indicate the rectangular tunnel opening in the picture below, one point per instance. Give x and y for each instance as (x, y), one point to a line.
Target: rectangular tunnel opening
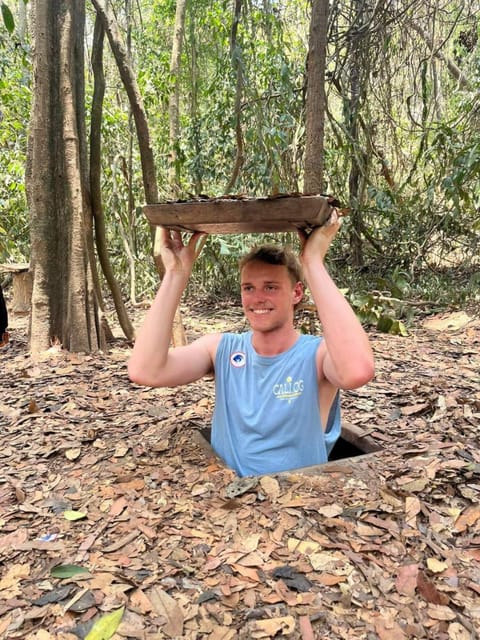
(353, 443)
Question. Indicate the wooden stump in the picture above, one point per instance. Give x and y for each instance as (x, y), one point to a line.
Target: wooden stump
(22, 286)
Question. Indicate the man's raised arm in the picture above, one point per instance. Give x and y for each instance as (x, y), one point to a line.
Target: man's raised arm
(152, 362)
(348, 359)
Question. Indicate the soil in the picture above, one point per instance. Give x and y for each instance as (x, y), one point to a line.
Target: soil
(114, 522)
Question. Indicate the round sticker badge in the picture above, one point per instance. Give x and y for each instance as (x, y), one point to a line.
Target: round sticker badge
(238, 359)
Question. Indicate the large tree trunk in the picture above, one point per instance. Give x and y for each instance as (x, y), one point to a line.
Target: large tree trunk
(64, 307)
(315, 101)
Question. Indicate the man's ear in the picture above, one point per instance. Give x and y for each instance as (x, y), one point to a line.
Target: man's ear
(297, 292)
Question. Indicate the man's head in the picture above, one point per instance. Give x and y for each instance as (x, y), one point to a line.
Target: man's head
(271, 286)
(276, 255)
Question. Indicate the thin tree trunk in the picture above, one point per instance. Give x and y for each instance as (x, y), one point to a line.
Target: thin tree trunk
(197, 170)
(174, 102)
(22, 20)
(315, 100)
(237, 63)
(95, 179)
(455, 71)
(146, 153)
(131, 87)
(356, 168)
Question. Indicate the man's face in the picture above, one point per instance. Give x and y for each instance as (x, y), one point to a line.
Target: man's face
(268, 295)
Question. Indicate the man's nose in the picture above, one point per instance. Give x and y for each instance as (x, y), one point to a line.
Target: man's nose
(259, 295)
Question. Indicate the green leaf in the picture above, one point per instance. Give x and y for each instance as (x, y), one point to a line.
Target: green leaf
(74, 515)
(8, 20)
(66, 570)
(105, 627)
(399, 329)
(384, 324)
(387, 324)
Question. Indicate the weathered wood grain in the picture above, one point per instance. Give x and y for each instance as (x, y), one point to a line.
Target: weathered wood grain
(252, 215)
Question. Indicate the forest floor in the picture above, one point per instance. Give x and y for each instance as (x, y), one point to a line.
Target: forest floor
(114, 521)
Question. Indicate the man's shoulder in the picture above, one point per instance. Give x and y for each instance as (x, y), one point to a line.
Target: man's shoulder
(309, 340)
(234, 338)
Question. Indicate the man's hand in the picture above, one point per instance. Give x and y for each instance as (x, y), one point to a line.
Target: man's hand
(315, 245)
(177, 256)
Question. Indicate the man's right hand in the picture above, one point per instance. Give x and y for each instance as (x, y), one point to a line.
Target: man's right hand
(176, 256)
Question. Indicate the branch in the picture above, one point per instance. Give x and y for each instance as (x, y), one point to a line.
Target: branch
(451, 66)
(127, 75)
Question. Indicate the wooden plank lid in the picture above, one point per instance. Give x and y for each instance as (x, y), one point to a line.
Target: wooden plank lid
(236, 214)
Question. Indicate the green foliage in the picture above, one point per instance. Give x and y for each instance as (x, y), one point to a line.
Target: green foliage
(8, 19)
(15, 98)
(386, 306)
(416, 210)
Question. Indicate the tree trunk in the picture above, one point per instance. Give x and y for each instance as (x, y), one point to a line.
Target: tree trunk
(64, 307)
(146, 152)
(174, 103)
(127, 75)
(197, 170)
(95, 179)
(315, 100)
(356, 168)
(237, 63)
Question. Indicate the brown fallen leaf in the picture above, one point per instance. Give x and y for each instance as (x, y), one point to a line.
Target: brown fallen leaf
(406, 581)
(222, 633)
(10, 582)
(167, 607)
(140, 601)
(247, 572)
(412, 509)
(439, 612)
(436, 566)
(388, 629)
(122, 542)
(456, 631)
(306, 628)
(329, 579)
(283, 626)
(117, 507)
(270, 487)
(468, 518)
(428, 590)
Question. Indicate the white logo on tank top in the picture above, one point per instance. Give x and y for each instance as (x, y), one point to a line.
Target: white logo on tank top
(288, 390)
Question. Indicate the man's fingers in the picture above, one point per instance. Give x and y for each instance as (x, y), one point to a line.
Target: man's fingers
(197, 241)
(165, 235)
(334, 217)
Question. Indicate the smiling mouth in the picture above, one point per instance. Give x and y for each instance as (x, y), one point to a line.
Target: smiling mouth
(260, 311)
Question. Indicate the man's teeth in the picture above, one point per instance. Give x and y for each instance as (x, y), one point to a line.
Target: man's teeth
(260, 311)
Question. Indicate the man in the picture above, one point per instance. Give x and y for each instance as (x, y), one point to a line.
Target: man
(276, 391)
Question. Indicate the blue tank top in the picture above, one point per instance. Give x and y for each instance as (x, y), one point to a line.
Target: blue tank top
(266, 416)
